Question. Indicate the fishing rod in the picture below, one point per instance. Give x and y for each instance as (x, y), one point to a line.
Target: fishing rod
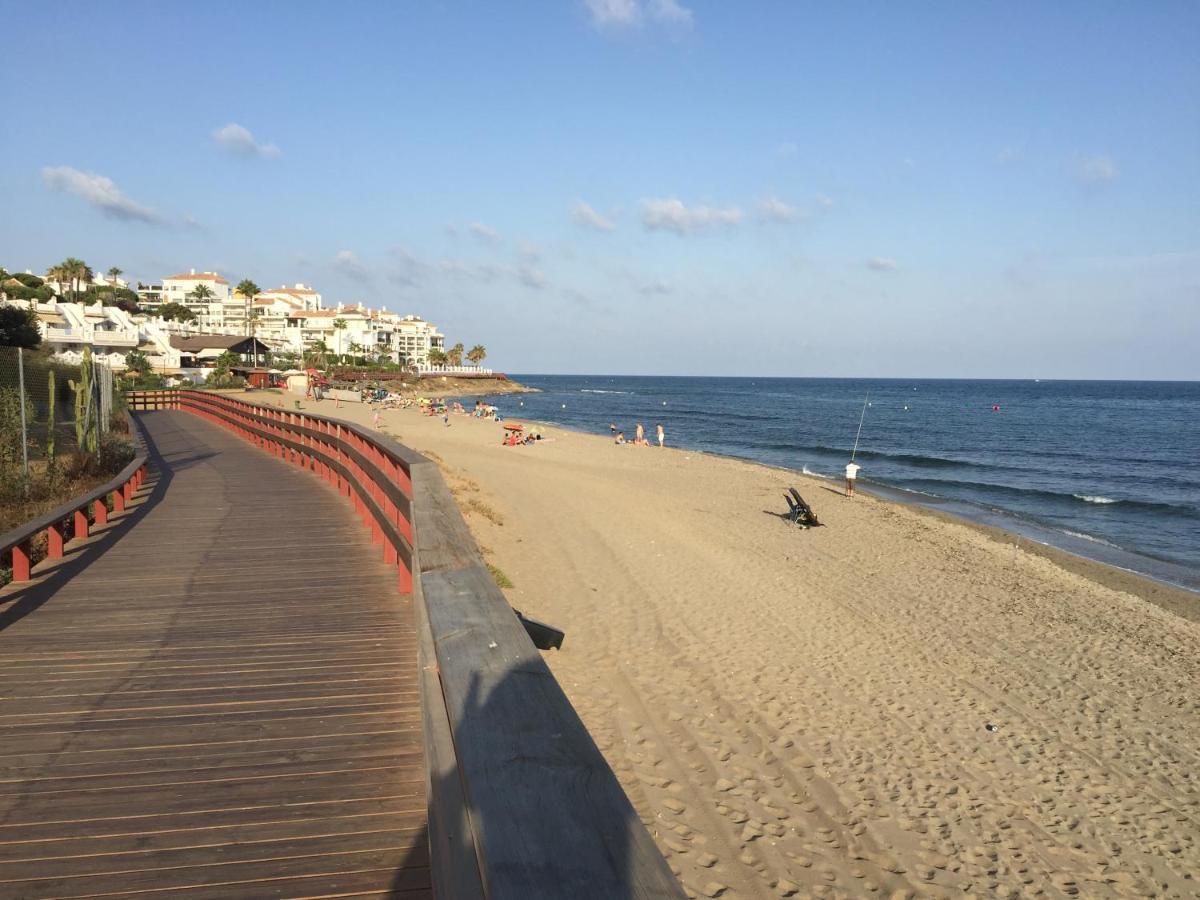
(866, 397)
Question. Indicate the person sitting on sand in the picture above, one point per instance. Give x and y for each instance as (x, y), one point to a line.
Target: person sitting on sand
(620, 438)
(661, 434)
(851, 473)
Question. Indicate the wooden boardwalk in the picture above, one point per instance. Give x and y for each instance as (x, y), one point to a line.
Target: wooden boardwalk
(222, 703)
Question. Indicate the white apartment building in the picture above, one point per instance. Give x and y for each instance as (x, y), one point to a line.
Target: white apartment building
(67, 328)
(181, 288)
(286, 319)
(223, 311)
(355, 330)
(297, 297)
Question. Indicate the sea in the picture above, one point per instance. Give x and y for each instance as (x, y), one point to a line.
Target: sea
(1109, 470)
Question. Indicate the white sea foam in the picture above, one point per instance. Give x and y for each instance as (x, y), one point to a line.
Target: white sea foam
(1089, 537)
(598, 391)
(805, 470)
(1088, 498)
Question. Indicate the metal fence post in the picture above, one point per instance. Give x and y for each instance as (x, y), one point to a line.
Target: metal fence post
(21, 403)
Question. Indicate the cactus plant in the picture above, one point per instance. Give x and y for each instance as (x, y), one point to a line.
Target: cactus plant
(85, 424)
(50, 421)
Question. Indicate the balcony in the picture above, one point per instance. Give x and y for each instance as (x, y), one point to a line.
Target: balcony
(95, 336)
(102, 338)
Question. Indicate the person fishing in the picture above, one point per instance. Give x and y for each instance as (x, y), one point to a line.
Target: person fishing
(852, 467)
(851, 474)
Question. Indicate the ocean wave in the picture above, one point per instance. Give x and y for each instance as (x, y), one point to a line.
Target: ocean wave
(1089, 537)
(599, 391)
(1087, 498)
(1169, 509)
(806, 471)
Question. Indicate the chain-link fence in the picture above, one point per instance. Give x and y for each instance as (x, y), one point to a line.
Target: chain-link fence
(56, 430)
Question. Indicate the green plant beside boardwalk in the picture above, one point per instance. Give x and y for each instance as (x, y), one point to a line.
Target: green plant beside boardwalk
(62, 435)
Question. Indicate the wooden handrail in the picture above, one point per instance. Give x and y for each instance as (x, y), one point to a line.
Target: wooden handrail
(522, 804)
(83, 511)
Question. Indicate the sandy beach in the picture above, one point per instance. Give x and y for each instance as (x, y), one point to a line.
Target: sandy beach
(806, 712)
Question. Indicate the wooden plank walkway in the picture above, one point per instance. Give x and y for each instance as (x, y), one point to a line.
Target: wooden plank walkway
(221, 703)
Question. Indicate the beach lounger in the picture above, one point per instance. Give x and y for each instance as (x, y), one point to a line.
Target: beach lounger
(799, 512)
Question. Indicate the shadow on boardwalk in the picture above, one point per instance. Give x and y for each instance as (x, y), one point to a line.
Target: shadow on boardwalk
(17, 602)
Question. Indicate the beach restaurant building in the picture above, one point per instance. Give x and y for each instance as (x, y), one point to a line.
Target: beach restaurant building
(200, 351)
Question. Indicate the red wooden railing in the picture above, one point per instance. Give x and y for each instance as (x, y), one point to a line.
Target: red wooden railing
(363, 466)
(82, 513)
(521, 801)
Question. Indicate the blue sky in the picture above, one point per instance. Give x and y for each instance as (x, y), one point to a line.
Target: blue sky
(642, 186)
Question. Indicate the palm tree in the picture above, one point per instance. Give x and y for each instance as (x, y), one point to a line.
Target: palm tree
(71, 271)
(318, 350)
(436, 356)
(340, 326)
(455, 354)
(477, 354)
(249, 290)
(113, 274)
(57, 274)
(355, 349)
(201, 291)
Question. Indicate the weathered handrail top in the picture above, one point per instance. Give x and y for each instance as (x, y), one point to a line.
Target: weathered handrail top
(27, 530)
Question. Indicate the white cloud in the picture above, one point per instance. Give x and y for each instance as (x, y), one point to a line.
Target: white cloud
(657, 286)
(614, 12)
(670, 214)
(582, 214)
(628, 13)
(1096, 170)
(239, 140)
(347, 263)
(882, 264)
(531, 277)
(528, 251)
(100, 192)
(484, 232)
(772, 209)
(824, 202)
(670, 11)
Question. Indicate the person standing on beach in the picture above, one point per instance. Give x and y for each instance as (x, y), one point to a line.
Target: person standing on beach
(851, 474)
(612, 428)
(639, 437)
(661, 434)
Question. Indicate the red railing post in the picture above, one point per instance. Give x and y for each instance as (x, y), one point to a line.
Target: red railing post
(118, 498)
(81, 523)
(100, 507)
(54, 541)
(22, 560)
